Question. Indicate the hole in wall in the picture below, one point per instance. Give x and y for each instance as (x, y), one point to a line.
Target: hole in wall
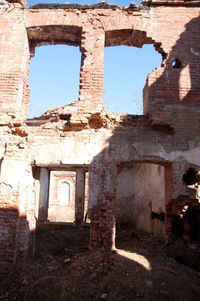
(54, 77)
(125, 72)
(185, 223)
(190, 177)
(176, 64)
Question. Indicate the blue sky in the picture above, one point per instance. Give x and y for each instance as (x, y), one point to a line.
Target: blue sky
(119, 2)
(54, 74)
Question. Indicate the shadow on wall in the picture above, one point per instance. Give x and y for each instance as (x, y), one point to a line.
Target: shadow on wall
(16, 240)
(181, 75)
(16, 235)
(182, 66)
(138, 195)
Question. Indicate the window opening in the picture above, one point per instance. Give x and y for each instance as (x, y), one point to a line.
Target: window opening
(54, 77)
(64, 193)
(125, 72)
(176, 64)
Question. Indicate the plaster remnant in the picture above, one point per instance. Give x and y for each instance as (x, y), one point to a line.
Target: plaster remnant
(146, 149)
(194, 52)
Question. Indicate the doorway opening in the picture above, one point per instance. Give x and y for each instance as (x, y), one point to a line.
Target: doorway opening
(140, 200)
(61, 210)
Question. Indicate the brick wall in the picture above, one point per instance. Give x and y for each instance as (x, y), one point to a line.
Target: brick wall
(83, 134)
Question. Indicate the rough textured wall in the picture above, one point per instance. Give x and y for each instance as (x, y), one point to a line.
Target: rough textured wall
(107, 26)
(126, 195)
(140, 197)
(14, 61)
(83, 133)
(150, 202)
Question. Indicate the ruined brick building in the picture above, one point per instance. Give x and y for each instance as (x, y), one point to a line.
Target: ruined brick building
(139, 167)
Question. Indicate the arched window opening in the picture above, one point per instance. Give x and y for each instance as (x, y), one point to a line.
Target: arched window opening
(54, 77)
(64, 193)
(125, 72)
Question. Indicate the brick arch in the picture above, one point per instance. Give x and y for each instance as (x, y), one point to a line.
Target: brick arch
(131, 37)
(47, 17)
(54, 34)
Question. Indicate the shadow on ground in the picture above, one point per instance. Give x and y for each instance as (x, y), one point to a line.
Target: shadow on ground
(64, 269)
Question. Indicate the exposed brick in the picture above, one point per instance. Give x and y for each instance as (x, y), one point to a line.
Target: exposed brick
(82, 136)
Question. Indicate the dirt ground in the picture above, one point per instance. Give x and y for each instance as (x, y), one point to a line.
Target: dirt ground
(64, 269)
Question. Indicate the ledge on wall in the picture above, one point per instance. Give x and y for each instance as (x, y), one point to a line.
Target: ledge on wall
(100, 5)
(22, 2)
(105, 5)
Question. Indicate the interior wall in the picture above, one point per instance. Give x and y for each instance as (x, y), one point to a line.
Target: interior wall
(140, 197)
(125, 195)
(86, 218)
(44, 189)
(150, 187)
(62, 209)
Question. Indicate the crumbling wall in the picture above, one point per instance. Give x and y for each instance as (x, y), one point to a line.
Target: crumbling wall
(83, 133)
(17, 200)
(14, 61)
